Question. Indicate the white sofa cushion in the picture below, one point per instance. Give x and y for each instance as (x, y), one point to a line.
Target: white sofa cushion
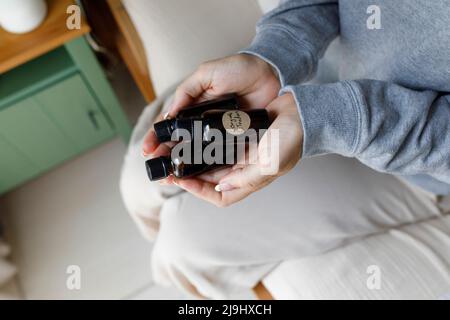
(413, 263)
(179, 35)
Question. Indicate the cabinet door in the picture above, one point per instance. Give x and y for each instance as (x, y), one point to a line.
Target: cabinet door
(28, 135)
(42, 131)
(26, 127)
(14, 166)
(72, 107)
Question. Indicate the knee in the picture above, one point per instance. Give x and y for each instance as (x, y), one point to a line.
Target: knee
(141, 198)
(134, 185)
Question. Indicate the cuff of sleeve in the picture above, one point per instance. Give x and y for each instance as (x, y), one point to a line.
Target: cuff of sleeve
(330, 117)
(291, 58)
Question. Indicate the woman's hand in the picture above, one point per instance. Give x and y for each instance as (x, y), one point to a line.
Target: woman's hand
(251, 78)
(284, 139)
(256, 83)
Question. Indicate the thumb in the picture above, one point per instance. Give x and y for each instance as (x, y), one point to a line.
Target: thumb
(190, 89)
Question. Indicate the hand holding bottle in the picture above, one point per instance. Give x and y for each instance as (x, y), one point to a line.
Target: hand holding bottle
(251, 78)
(256, 83)
(230, 185)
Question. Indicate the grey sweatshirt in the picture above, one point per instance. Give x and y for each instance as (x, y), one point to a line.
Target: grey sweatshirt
(393, 110)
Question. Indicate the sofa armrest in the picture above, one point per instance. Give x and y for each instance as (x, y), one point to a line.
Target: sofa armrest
(179, 35)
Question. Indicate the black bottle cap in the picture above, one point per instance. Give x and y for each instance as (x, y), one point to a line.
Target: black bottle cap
(158, 168)
(163, 130)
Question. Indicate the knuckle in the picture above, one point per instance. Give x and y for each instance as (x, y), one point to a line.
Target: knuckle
(252, 185)
(255, 185)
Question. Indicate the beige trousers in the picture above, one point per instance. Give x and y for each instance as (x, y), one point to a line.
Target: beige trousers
(323, 204)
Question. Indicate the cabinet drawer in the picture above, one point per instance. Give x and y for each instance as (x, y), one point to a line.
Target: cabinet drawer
(48, 128)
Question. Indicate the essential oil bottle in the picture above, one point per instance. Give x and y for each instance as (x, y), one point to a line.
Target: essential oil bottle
(230, 123)
(161, 167)
(203, 122)
(226, 102)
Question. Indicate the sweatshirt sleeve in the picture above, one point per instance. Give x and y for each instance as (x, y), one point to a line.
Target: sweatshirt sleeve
(386, 126)
(294, 36)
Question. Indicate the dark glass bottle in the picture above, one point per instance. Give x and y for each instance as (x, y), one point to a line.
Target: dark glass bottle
(222, 116)
(161, 167)
(226, 102)
(230, 123)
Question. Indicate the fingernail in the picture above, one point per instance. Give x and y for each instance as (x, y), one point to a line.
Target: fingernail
(144, 154)
(166, 116)
(223, 187)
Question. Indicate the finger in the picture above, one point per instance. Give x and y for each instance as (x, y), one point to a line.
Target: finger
(163, 150)
(234, 195)
(246, 154)
(167, 181)
(214, 176)
(207, 191)
(248, 178)
(201, 189)
(150, 143)
(190, 89)
(150, 140)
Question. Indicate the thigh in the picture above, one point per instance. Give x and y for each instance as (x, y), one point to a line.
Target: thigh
(323, 203)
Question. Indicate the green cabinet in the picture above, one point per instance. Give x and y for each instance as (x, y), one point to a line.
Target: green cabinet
(47, 128)
(53, 108)
(14, 166)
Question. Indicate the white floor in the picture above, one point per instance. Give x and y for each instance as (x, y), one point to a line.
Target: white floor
(73, 215)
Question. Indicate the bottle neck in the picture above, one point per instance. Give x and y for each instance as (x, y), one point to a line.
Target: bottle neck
(184, 129)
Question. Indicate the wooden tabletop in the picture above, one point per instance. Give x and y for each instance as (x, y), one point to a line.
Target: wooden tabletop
(16, 49)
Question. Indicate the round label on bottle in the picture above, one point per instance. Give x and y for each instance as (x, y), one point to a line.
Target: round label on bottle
(236, 122)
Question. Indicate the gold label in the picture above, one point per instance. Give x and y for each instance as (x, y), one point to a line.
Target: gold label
(236, 122)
